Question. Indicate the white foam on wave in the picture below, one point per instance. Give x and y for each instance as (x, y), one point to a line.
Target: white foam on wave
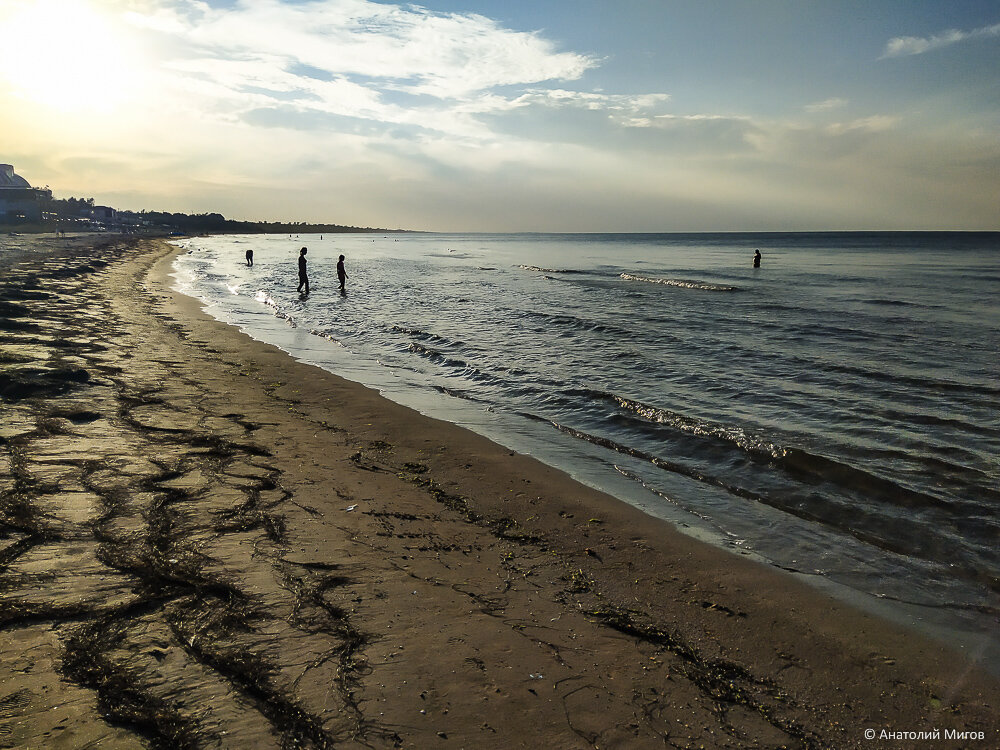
(539, 269)
(684, 283)
(732, 433)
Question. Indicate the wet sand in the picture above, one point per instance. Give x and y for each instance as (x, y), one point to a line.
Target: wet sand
(206, 544)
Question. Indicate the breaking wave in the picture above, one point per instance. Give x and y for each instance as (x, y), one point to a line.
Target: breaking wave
(683, 283)
(700, 427)
(539, 269)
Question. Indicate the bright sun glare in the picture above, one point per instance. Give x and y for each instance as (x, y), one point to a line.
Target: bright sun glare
(65, 54)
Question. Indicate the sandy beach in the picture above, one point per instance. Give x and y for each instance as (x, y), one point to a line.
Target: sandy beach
(205, 544)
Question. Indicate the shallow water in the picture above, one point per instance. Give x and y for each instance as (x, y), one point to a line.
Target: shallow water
(835, 412)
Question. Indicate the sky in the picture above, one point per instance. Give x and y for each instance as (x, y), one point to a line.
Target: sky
(520, 115)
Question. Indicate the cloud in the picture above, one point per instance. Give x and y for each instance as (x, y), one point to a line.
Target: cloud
(305, 64)
(901, 46)
(380, 114)
(872, 124)
(410, 48)
(826, 105)
(559, 115)
(593, 99)
(812, 146)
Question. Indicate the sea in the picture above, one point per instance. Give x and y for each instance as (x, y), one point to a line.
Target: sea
(834, 413)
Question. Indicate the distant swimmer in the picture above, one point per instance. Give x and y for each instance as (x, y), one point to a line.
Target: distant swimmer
(303, 278)
(756, 258)
(249, 257)
(341, 273)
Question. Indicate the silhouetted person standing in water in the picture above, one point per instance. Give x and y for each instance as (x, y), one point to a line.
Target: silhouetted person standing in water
(303, 279)
(756, 258)
(249, 257)
(341, 273)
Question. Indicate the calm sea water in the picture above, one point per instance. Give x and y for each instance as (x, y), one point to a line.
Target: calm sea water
(835, 412)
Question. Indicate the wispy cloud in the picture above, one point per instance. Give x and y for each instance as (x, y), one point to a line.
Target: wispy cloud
(592, 99)
(408, 48)
(873, 124)
(902, 46)
(300, 62)
(826, 105)
(625, 109)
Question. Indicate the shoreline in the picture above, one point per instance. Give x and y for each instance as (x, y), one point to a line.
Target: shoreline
(860, 575)
(301, 557)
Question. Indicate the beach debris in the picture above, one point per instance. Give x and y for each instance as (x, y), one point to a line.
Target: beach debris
(349, 508)
(538, 676)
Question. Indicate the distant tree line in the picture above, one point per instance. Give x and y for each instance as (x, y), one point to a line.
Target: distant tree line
(69, 206)
(217, 223)
(210, 223)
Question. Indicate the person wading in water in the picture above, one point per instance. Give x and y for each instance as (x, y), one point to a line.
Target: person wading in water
(303, 278)
(341, 273)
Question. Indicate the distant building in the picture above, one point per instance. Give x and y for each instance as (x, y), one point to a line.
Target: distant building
(19, 202)
(103, 213)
